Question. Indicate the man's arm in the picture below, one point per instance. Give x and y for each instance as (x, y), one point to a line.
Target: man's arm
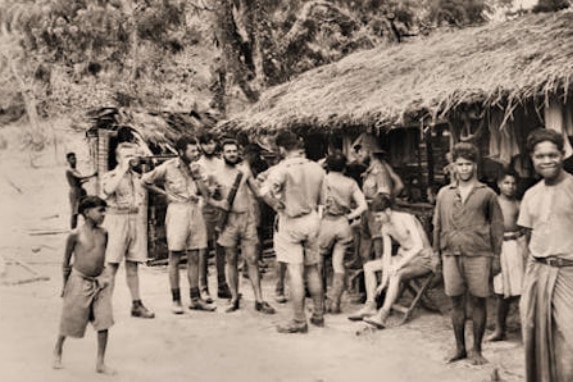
(66, 266)
(150, 179)
(397, 184)
(496, 225)
(271, 186)
(111, 180)
(360, 201)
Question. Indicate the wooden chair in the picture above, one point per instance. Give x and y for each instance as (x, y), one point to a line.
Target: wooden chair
(418, 288)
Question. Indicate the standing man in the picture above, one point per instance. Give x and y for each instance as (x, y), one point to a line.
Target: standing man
(211, 165)
(240, 225)
(293, 188)
(126, 228)
(468, 234)
(184, 225)
(75, 181)
(379, 178)
(546, 302)
(344, 202)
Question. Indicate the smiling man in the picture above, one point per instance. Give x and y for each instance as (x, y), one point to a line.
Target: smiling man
(546, 303)
(468, 234)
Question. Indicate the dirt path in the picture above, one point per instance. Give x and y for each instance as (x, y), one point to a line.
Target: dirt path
(197, 346)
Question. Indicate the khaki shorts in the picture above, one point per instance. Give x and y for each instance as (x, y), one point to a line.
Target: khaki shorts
(296, 239)
(85, 301)
(127, 237)
(467, 273)
(241, 229)
(185, 227)
(334, 231)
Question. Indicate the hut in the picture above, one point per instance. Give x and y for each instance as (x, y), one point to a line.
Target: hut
(154, 133)
(490, 85)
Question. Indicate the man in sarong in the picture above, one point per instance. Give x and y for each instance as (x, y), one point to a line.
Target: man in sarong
(547, 297)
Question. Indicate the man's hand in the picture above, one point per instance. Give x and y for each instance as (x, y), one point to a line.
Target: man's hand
(278, 206)
(222, 204)
(195, 169)
(379, 289)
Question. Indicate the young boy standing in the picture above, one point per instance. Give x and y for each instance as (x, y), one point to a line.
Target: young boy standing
(468, 234)
(507, 284)
(86, 293)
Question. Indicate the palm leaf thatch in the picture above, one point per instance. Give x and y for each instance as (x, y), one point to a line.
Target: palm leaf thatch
(159, 129)
(499, 64)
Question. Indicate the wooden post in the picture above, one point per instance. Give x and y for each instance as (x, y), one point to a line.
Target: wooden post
(430, 157)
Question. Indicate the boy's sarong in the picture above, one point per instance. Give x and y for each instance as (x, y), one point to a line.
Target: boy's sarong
(546, 311)
(85, 301)
(510, 281)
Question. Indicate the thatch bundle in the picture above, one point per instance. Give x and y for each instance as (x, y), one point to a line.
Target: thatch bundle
(494, 65)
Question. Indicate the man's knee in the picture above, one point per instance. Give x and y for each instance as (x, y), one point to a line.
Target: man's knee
(457, 302)
(131, 268)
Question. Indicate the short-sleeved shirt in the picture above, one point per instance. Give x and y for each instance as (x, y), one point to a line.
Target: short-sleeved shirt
(210, 167)
(297, 182)
(177, 179)
(339, 193)
(548, 211)
(226, 176)
(471, 228)
(377, 180)
(128, 194)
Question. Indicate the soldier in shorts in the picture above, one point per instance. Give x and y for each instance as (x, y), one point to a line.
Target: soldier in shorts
(344, 203)
(294, 188)
(125, 223)
(468, 234)
(184, 225)
(240, 228)
(87, 297)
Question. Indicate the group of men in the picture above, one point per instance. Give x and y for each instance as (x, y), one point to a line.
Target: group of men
(477, 235)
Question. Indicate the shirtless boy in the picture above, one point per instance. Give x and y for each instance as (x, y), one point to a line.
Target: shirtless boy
(414, 258)
(86, 293)
(507, 284)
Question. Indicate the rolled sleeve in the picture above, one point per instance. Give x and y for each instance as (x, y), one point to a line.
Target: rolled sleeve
(524, 220)
(154, 175)
(274, 183)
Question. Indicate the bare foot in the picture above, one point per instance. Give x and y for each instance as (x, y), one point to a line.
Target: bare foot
(477, 359)
(57, 363)
(458, 355)
(103, 369)
(496, 336)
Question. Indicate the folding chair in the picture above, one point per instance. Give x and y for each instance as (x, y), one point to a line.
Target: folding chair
(418, 288)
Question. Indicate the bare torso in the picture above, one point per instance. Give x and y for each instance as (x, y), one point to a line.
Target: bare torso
(89, 250)
(510, 210)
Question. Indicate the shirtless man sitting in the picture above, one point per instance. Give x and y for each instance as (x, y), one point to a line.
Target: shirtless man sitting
(414, 258)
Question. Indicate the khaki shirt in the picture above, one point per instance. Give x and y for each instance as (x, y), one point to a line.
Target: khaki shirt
(177, 180)
(129, 194)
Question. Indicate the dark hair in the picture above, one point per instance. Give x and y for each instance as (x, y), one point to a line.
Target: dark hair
(288, 140)
(124, 134)
(544, 135)
(207, 137)
(70, 154)
(184, 141)
(507, 172)
(336, 161)
(90, 201)
(229, 141)
(381, 202)
(465, 150)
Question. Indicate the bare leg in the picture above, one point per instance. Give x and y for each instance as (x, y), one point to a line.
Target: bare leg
(370, 269)
(101, 345)
(315, 287)
(479, 316)
(113, 268)
(392, 292)
(57, 364)
(232, 277)
(500, 319)
(249, 253)
(74, 221)
(173, 268)
(132, 279)
(296, 273)
(458, 321)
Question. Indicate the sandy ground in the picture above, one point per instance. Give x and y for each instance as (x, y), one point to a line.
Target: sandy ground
(242, 346)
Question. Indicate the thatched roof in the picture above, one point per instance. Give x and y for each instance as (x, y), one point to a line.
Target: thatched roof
(496, 64)
(155, 128)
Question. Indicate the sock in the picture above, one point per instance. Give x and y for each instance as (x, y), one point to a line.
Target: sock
(194, 293)
(137, 303)
(176, 294)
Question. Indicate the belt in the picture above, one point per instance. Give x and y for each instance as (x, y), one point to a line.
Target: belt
(123, 210)
(509, 236)
(552, 261)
